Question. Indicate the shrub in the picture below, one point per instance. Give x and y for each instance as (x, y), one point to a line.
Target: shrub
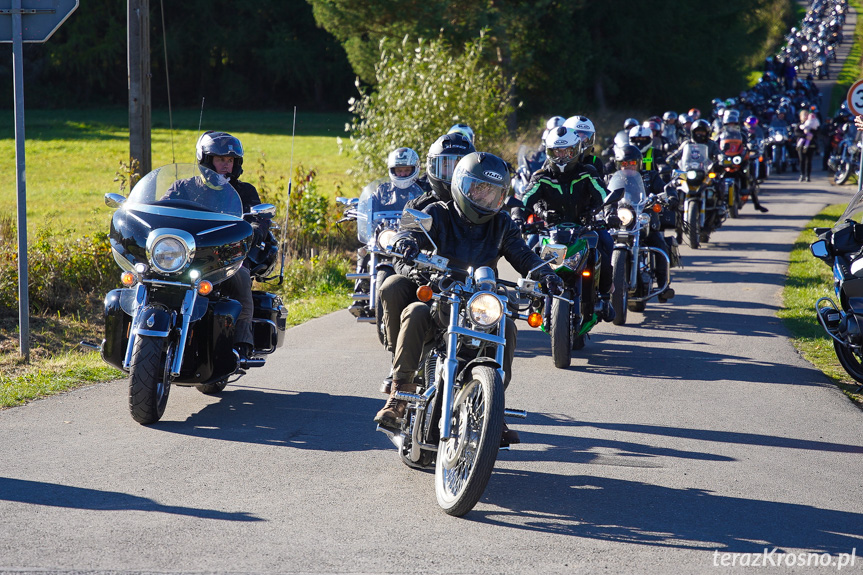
(422, 89)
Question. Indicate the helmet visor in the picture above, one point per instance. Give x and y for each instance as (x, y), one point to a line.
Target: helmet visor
(485, 195)
(586, 137)
(562, 155)
(442, 167)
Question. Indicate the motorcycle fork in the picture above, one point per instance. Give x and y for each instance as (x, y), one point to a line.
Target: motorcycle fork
(373, 280)
(633, 260)
(140, 301)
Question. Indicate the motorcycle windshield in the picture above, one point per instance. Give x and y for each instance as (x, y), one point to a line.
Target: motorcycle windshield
(631, 183)
(530, 159)
(185, 190)
(381, 200)
(731, 143)
(694, 157)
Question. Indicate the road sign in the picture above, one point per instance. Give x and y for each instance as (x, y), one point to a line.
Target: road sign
(41, 18)
(855, 98)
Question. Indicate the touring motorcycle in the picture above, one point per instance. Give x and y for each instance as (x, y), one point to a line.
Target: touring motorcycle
(377, 212)
(169, 325)
(703, 203)
(454, 420)
(633, 262)
(841, 247)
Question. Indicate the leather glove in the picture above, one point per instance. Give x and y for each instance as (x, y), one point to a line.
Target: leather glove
(408, 248)
(553, 284)
(612, 220)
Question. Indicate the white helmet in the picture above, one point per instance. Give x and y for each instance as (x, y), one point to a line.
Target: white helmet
(641, 137)
(464, 130)
(583, 129)
(554, 122)
(403, 157)
(563, 147)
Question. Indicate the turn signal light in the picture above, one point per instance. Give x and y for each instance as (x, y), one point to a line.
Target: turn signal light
(712, 174)
(127, 279)
(534, 319)
(586, 273)
(424, 293)
(205, 288)
(657, 208)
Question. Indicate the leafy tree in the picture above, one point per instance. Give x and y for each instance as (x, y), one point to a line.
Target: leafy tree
(422, 88)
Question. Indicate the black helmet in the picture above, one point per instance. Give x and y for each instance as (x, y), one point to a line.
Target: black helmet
(626, 155)
(443, 156)
(479, 186)
(219, 144)
(700, 131)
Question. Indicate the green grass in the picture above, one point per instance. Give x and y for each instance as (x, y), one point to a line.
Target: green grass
(72, 156)
(809, 279)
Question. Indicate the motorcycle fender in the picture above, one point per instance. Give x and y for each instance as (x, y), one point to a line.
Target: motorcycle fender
(117, 323)
(465, 372)
(154, 322)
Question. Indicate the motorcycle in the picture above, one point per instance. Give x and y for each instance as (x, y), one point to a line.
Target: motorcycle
(703, 204)
(733, 155)
(841, 248)
(778, 142)
(454, 421)
(846, 159)
(528, 162)
(377, 212)
(178, 235)
(633, 262)
(568, 317)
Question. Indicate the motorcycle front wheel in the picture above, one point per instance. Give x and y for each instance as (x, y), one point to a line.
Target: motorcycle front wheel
(693, 225)
(149, 385)
(465, 460)
(733, 201)
(850, 362)
(561, 331)
(842, 173)
(620, 296)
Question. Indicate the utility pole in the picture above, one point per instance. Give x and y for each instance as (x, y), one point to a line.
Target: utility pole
(138, 49)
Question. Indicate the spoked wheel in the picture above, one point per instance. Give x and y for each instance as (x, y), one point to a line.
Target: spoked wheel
(620, 296)
(842, 173)
(466, 459)
(850, 361)
(149, 382)
(561, 331)
(693, 226)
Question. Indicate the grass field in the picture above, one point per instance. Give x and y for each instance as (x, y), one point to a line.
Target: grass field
(72, 156)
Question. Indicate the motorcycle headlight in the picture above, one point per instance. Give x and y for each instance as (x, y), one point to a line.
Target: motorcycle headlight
(778, 137)
(485, 310)
(626, 216)
(385, 238)
(737, 160)
(691, 175)
(169, 254)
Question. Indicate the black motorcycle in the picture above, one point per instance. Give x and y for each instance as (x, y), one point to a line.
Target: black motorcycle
(841, 247)
(178, 235)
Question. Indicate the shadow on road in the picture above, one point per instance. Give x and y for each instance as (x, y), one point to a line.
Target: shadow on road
(586, 506)
(56, 495)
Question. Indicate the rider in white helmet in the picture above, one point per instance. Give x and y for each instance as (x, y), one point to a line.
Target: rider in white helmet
(584, 129)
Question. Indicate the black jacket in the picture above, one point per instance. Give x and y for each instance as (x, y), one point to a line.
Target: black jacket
(574, 195)
(466, 244)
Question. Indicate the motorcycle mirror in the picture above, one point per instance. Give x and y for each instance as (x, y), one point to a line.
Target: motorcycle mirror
(415, 220)
(819, 249)
(553, 253)
(114, 200)
(347, 201)
(263, 210)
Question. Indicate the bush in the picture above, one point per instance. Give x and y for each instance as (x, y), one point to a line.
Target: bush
(422, 90)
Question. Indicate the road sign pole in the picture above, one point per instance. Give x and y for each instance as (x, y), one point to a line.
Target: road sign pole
(18, 72)
(854, 101)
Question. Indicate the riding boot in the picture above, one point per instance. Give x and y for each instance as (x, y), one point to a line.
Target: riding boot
(387, 385)
(509, 436)
(394, 409)
(606, 312)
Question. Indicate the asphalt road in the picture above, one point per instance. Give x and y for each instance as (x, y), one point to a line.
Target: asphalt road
(694, 431)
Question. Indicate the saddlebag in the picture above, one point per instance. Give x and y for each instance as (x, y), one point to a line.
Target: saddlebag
(269, 321)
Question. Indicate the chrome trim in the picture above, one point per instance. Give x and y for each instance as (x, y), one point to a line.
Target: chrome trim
(182, 213)
(160, 234)
(186, 311)
(122, 261)
(211, 230)
(142, 221)
(152, 333)
(275, 332)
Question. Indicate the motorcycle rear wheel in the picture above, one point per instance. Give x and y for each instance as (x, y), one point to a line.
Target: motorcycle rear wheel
(850, 362)
(842, 173)
(620, 296)
(149, 386)
(561, 332)
(693, 227)
(465, 461)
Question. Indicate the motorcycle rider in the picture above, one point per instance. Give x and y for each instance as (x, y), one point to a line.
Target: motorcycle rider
(464, 130)
(403, 167)
(471, 231)
(755, 133)
(642, 138)
(731, 124)
(443, 155)
(585, 130)
(566, 190)
(630, 158)
(223, 154)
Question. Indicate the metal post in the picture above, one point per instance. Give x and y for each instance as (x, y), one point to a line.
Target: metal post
(18, 72)
(138, 52)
